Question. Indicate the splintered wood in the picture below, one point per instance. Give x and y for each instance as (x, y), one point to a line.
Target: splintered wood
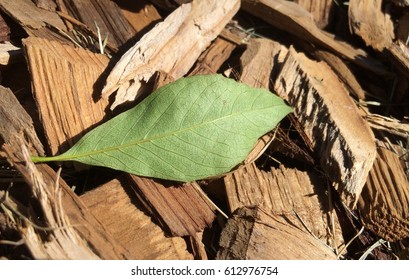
(384, 202)
(368, 21)
(117, 207)
(296, 20)
(65, 83)
(297, 197)
(181, 209)
(341, 138)
(187, 30)
(261, 235)
(290, 199)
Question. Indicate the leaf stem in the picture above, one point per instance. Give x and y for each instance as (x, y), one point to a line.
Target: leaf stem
(37, 159)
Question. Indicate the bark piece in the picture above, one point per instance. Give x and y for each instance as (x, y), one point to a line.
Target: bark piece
(214, 57)
(290, 17)
(118, 209)
(341, 138)
(367, 20)
(15, 120)
(106, 15)
(253, 233)
(283, 191)
(384, 203)
(27, 14)
(171, 47)
(320, 10)
(64, 83)
(67, 229)
(181, 209)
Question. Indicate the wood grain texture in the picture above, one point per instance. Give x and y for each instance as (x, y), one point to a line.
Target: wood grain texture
(106, 15)
(64, 83)
(15, 120)
(260, 235)
(367, 20)
(384, 203)
(321, 10)
(293, 18)
(27, 14)
(67, 229)
(171, 47)
(117, 207)
(341, 138)
(179, 208)
(283, 191)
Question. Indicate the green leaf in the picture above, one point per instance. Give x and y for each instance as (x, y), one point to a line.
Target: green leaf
(188, 130)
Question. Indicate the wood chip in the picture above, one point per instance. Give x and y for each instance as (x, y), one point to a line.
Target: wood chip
(283, 191)
(290, 17)
(384, 203)
(260, 235)
(341, 138)
(65, 83)
(214, 57)
(27, 14)
(15, 120)
(118, 209)
(321, 10)
(104, 15)
(181, 209)
(67, 229)
(172, 47)
(140, 14)
(367, 20)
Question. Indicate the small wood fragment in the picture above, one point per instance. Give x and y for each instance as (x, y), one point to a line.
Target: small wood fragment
(118, 209)
(15, 120)
(172, 46)
(213, 57)
(67, 229)
(384, 203)
(65, 83)
(253, 233)
(341, 138)
(27, 14)
(290, 17)
(140, 14)
(180, 209)
(104, 15)
(283, 191)
(321, 10)
(367, 20)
